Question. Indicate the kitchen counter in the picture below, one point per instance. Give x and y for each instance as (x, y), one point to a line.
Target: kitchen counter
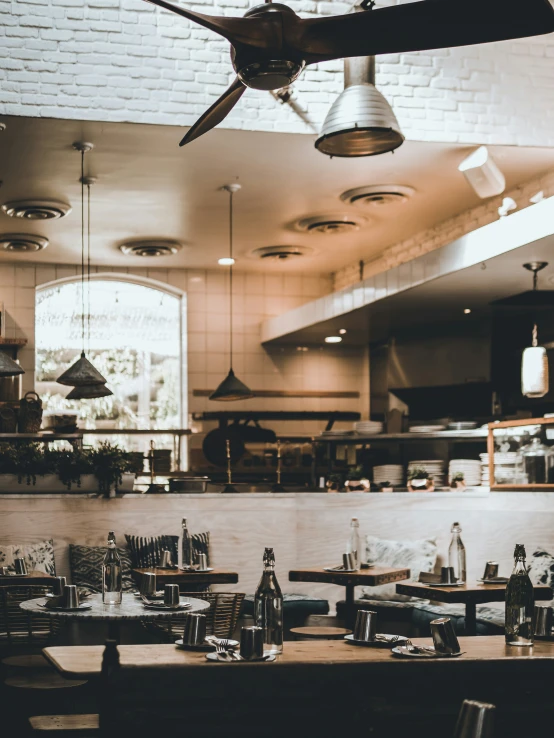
(306, 529)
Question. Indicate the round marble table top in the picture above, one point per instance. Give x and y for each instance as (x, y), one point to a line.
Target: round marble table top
(131, 608)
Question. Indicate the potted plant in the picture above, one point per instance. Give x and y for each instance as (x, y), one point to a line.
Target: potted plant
(110, 465)
(458, 481)
(334, 483)
(419, 480)
(356, 481)
(385, 487)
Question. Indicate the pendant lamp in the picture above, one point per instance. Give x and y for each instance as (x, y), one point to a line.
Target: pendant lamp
(360, 122)
(231, 388)
(9, 367)
(82, 373)
(89, 392)
(534, 369)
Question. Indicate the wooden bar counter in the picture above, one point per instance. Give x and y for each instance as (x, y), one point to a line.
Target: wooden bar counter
(332, 688)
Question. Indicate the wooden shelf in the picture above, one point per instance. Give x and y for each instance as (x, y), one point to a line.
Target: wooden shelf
(13, 342)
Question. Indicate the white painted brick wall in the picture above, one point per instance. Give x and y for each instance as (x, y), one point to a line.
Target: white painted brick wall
(123, 60)
(442, 234)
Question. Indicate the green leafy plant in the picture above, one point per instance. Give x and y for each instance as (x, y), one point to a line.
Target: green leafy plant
(109, 464)
(419, 472)
(355, 473)
(458, 477)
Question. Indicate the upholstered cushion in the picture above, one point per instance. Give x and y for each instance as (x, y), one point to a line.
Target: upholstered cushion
(417, 556)
(541, 568)
(86, 567)
(490, 620)
(147, 550)
(294, 605)
(38, 556)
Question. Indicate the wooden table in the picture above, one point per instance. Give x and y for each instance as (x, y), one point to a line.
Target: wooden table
(469, 594)
(131, 608)
(184, 578)
(371, 577)
(33, 577)
(79, 662)
(331, 686)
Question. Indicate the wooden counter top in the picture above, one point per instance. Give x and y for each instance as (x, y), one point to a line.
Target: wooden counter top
(85, 661)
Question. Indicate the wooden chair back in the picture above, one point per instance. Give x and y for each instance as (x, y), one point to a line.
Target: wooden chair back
(221, 618)
(21, 628)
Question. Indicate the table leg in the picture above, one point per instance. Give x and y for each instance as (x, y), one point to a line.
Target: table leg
(471, 619)
(350, 616)
(114, 631)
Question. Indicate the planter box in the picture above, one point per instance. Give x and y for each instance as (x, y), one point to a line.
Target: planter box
(51, 483)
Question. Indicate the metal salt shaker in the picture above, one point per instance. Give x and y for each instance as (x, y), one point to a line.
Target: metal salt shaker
(252, 642)
(366, 625)
(476, 720)
(171, 595)
(444, 636)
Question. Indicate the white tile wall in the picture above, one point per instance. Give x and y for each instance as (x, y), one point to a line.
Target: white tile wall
(256, 297)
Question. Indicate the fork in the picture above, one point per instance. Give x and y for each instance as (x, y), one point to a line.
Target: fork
(222, 652)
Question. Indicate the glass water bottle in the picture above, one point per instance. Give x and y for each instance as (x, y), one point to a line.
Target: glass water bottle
(111, 574)
(353, 545)
(186, 546)
(457, 554)
(520, 603)
(268, 606)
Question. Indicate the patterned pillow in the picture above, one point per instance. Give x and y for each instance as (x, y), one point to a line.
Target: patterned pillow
(86, 567)
(38, 556)
(147, 551)
(417, 556)
(541, 568)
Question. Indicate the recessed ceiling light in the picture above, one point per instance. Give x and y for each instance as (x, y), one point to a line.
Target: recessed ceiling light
(330, 224)
(36, 209)
(22, 242)
(376, 196)
(302, 348)
(226, 261)
(342, 331)
(333, 339)
(2, 127)
(467, 311)
(282, 252)
(151, 247)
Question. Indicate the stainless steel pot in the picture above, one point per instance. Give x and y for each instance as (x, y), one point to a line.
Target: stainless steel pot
(188, 484)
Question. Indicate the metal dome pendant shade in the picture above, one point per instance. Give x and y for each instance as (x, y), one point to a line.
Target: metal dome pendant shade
(9, 367)
(231, 389)
(81, 374)
(89, 392)
(360, 122)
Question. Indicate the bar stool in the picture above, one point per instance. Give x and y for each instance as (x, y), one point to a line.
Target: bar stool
(322, 632)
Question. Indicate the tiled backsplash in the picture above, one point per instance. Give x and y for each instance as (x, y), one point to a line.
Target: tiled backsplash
(256, 297)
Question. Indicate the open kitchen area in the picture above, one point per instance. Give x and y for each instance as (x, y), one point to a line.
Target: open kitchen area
(276, 407)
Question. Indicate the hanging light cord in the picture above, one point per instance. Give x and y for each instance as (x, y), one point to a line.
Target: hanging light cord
(83, 248)
(535, 337)
(231, 278)
(88, 265)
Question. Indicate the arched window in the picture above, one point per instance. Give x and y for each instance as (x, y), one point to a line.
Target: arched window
(135, 341)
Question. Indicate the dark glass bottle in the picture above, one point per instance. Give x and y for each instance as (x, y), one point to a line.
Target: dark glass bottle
(268, 606)
(520, 602)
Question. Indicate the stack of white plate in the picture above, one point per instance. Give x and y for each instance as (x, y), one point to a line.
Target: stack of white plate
(368, 427)
(392, 473)
(434, 467)
(505, 467)
(470, 468)
(462, 425)
(427, 428)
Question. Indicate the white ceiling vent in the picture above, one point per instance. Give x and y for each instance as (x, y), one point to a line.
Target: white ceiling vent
(36, 209)
(151, 247)
(377, 196)
(22, 242)
(281, 253)
(330, 224)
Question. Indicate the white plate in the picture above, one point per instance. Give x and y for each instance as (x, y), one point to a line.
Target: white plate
(214, 657)
(440, 584)
(82, 606)
(157, 596)
(203, 646)
(160, 606)
(406, 653)
(377, 644)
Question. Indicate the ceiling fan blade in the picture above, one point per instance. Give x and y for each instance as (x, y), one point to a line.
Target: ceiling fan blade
(249, 31)
(218, 112)
(429, 24)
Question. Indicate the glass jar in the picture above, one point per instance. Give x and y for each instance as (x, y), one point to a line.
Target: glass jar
(536, 462)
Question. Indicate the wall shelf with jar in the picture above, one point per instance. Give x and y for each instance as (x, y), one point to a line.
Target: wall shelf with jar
(520, 454)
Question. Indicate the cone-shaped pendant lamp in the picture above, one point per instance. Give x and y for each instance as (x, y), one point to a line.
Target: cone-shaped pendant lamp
(231, 388)
(360, 122)
(82, 373)
(9, 367)
(89, 392)
(534, 370)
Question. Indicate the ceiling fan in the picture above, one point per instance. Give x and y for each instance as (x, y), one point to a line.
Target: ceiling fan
(271, 45)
